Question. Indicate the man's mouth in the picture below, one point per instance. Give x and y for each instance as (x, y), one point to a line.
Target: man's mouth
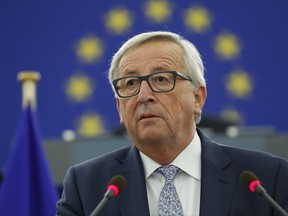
(146, 116)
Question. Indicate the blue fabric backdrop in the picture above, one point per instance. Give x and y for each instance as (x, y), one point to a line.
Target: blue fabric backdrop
(243, 44)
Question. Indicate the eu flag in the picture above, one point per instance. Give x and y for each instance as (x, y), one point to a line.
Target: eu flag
(27, 188)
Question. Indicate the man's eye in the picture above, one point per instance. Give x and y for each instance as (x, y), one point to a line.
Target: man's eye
(161, 79)
(131, 82)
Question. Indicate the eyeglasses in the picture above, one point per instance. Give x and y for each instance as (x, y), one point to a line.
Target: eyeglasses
(163, 81)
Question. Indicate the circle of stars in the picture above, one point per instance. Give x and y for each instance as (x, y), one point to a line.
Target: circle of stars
(119, 20)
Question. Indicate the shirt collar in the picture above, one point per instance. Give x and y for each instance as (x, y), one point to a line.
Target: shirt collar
(189, 160)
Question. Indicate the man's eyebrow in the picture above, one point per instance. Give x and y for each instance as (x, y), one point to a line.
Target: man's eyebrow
(131, 73)
(135, 73)
(158, 69)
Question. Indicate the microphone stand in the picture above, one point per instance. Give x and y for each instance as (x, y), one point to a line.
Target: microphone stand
(261, 191)
(107, 196)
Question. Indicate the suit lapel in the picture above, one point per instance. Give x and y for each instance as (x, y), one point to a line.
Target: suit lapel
(133, 200)
(217, 182)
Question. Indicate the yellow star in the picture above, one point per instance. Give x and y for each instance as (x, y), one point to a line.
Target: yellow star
(158, 10)
(79, 88)
(118, 20)
(89, 49)
(198, 19)
(239, 84)
(227, 46)
(90, 125)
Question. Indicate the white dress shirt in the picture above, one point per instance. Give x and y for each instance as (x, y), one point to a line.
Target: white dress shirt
(187, 181)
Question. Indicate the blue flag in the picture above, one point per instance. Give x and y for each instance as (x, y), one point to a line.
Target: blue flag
(27, 188)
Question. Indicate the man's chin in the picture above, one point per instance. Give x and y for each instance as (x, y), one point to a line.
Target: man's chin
(150, 135)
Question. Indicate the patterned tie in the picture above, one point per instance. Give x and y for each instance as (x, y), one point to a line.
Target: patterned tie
(169, 203)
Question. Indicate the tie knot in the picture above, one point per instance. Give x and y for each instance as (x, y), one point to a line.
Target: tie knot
(169, 172)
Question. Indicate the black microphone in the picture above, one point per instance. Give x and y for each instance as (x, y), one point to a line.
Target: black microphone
(115, 186)
(254, 185)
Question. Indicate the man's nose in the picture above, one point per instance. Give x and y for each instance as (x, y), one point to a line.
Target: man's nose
(145, 92)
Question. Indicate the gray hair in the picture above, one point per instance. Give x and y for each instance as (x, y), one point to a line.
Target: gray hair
(193, 61)
(194, 64)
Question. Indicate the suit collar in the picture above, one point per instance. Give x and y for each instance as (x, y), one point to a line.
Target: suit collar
(133, 199)
(218, 181)
(211, 152)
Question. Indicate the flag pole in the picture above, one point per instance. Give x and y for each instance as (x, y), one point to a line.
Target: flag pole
(29, 80)
(27, 178)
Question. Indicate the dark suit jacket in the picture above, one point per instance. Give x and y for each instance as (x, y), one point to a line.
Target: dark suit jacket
(221, 192)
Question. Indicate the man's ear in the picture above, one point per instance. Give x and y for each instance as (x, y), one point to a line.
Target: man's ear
(200, 98)
(119, 110)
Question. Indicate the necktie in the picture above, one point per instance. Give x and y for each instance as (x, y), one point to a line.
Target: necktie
(169, 203)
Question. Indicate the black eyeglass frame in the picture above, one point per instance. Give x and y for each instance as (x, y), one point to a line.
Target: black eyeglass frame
(146, 78)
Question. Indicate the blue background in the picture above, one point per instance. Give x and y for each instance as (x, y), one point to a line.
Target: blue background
(41, 35)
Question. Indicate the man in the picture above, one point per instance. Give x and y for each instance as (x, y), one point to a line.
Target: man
(158, 80)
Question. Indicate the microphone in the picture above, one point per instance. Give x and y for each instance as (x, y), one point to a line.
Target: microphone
(254, 185)
(115, 186)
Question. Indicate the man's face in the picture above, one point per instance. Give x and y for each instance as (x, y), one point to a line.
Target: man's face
(153, 118)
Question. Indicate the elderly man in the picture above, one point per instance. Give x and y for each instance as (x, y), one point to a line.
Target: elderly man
(173, 168)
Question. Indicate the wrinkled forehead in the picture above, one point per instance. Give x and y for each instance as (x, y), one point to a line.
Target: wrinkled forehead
(152, 56)
(154, 39)
(135, 42)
